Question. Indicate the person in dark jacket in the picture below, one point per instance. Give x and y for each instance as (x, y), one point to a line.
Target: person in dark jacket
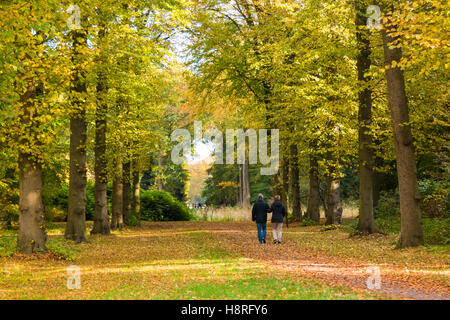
(259, 214)
(278, 213)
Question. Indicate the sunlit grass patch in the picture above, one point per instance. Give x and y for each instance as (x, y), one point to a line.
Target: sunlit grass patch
(258, 288)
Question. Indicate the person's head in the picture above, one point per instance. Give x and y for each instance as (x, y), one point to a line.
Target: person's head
(260, 196)
(277, 197)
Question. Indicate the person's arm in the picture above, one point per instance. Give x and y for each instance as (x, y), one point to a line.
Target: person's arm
(253, 213)
(270, 209)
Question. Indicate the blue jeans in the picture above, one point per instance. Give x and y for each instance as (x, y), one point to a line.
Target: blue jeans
(262, 229)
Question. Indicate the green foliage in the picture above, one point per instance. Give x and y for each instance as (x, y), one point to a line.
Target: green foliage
(436, 230)
(174, 178)
(435, 197)
(388, 204)
(259, 184)
(8, 245)
(307, 222)
(221, 187)
(58, 246)
(161, 206)
(56, 202)
(63, 249)
(133, 221)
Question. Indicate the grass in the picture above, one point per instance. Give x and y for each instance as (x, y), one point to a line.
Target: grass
(223, 214)
(204, 260)
(271, 288)
(155, 261)
(56, 244)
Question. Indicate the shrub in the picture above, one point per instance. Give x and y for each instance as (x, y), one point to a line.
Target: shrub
(57, 203)
(133, 221)
(63, 249)
(388, 205)
(435, 197)
(308, 222)
(436, 230)
(161, 206)
(8, 245)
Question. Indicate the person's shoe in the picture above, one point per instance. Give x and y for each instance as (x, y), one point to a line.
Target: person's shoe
(264, 241)
(275, 241)
(279, 242)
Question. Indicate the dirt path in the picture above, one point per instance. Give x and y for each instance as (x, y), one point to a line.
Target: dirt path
(291, 256)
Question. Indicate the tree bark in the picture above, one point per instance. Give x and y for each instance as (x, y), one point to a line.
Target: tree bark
(295, 186)
(76, 219)
(245, 185)
(313, 212)
(411, 224)
(159, 176)
(126, 204)
(366, 222)
(240, 184)
(32, 236)
(101, 217)
(136, 200)
(117, 195)
(285, 182)
(334, 208)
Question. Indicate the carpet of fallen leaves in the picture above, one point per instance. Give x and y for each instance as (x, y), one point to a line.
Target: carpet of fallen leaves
(183, 260)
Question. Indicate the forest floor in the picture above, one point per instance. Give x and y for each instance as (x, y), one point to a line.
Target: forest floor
(224, 260)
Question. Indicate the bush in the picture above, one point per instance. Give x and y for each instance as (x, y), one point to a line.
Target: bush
(8, 245)
(436, 230)
(63, 249)
(133, 221)
(161, 206)
(388, 205)
(57, 203)
(435, 197)
(308, 222)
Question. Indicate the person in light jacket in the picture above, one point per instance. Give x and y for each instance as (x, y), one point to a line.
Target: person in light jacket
(278, 213)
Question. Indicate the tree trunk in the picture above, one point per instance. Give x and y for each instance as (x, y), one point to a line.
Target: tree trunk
(136, 201)
(126, 204)
(159, 177)
(239, 182)
(101, 218)
(117, 203)
(245, 185)
(366, 222)
(295, 186)
(32, 235)
(334, 208)
(411, 224)
(76, 219)
(313, 212)
(285, 181)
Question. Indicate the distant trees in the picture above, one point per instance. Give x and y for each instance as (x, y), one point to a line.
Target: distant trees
(297, 64)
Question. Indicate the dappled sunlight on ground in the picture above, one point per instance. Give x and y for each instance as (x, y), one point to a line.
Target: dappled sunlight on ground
(190, 259)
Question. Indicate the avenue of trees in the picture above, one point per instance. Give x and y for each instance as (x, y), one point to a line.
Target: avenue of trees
(89, 91)
(85, 89)
(343, 95)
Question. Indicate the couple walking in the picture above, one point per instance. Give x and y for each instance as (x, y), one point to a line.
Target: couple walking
(259, 214)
